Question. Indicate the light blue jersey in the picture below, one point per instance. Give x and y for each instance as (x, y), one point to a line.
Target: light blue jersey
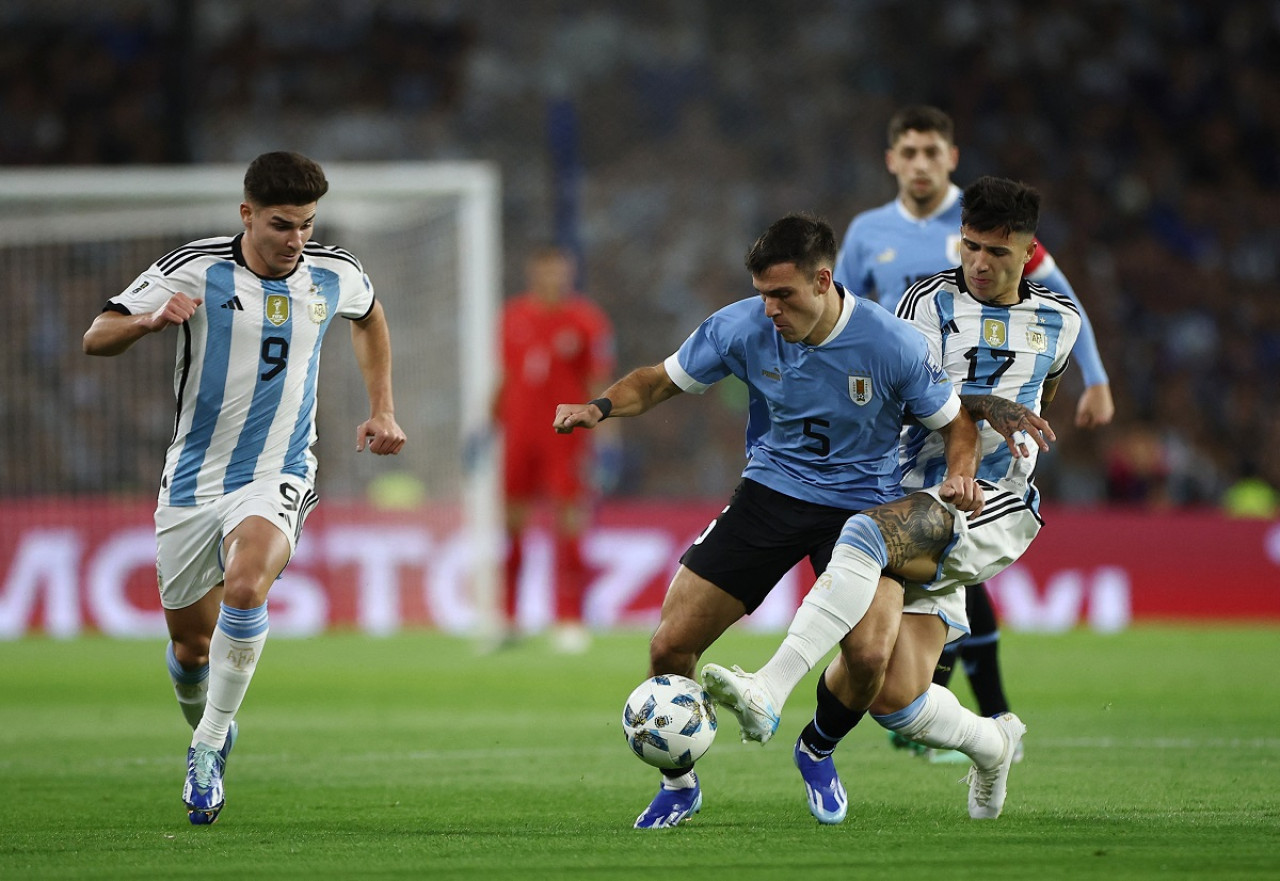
(247, 361)
(886, 250)
(1007, 351)
(825, 419)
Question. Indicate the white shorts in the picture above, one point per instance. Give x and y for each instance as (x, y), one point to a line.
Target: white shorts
(189, 539)
(981, 547)
(946, 604)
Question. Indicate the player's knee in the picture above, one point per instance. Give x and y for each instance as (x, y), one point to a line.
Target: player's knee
(866, 661)
(893, 697)
(191, 649)
(245, 592)
(868, 648)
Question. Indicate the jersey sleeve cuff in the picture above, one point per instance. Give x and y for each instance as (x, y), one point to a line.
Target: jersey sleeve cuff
(678, 375)
(943, 416)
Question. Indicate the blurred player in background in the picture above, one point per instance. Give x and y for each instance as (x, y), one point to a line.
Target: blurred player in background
(831, 380)
(890, 248)
(239, 478)
(998, 336)
(557, 345)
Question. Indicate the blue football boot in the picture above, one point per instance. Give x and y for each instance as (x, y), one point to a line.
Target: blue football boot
(670, 807)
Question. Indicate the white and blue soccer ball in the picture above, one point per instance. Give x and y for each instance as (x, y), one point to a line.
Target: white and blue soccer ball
(669, 721)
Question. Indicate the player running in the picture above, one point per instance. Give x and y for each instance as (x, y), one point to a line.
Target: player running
(239, 478)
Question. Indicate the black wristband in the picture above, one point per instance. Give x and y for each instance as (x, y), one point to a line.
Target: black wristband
(605, 405)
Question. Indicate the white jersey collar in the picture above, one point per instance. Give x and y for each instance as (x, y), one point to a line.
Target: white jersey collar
(848, 303)
(953, 194)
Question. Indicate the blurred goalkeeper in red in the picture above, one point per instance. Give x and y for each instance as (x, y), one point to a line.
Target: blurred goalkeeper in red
(557, 345)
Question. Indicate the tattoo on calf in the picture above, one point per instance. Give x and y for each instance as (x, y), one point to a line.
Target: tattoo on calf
(915, 526)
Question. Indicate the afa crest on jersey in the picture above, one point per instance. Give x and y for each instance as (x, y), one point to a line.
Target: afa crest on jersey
(277, 309)
(318, 310)
(860, 390)
(994, 332)
(1037, 339)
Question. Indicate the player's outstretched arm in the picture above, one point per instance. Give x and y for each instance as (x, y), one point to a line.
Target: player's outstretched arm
(371, 340)
(112, 333)
(1096, 406)
(639, 391)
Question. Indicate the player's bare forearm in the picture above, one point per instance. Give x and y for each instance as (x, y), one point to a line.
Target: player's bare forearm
(961, 445)
(1008, 418)
(638, 392)
(113, 332)
(963, 452)
(371, 340)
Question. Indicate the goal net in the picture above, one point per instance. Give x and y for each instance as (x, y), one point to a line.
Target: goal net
(96, 429)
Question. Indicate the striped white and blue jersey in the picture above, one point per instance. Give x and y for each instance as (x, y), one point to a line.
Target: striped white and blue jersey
(824, 419)
(886, 250)
(1009, 351)
(247, 361)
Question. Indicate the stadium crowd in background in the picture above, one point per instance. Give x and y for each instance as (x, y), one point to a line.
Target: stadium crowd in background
(1152, 129)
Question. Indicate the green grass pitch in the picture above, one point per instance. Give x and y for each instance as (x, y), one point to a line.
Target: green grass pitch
(1150, 754)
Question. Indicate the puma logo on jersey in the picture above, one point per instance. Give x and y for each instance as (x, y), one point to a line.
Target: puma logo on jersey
(771, 374)
(888, 255)
(233, 303)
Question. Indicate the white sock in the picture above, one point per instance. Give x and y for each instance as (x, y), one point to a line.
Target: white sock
(834, 605)
(937, 719)
(687, 780)
(233, 656)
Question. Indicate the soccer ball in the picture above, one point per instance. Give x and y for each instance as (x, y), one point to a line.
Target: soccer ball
(669, 721)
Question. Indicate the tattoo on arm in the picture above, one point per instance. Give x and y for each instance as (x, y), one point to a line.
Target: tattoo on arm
(913, 527)
(1003, 415)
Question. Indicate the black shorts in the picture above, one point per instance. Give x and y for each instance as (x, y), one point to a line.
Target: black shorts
(759, 537)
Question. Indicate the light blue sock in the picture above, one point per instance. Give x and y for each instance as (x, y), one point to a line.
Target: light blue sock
(190, 686)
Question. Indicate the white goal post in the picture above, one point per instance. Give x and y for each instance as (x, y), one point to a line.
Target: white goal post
(427, 233)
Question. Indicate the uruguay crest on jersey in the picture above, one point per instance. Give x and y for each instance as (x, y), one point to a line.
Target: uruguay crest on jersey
(860, 390)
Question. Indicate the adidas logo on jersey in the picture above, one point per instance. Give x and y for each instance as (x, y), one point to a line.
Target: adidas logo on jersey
(233, 303)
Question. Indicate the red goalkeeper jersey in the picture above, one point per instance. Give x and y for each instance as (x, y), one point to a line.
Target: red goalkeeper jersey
(551, 352)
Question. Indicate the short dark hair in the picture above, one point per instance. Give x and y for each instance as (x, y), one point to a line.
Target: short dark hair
(801, 239)
(921, 118)
(282, 178)
(997, 204)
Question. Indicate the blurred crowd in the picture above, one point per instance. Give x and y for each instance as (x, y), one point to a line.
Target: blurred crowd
(1152, 128)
